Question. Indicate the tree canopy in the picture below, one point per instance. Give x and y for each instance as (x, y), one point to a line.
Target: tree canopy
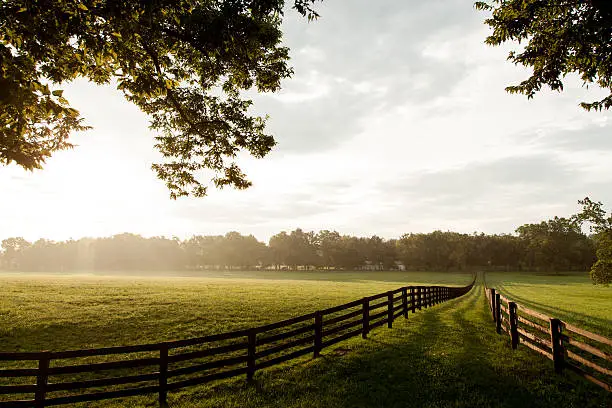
(561, 37)
(183, 62)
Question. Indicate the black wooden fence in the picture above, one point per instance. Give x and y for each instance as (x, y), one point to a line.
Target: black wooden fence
(95, 374)
(568, 346)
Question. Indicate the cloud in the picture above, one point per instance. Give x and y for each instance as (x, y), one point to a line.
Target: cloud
(359, 59)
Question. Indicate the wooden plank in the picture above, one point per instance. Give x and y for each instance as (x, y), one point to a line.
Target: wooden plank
(533, 324)
(390, 311)
(588, 363)
(398, 307)
(101, 395)
(286, 357)
(207, 339)
(533, 313)
(365, 328)
(208, 352)
(378, 305)
(344, 306)
(588, 334)
(318, 334)
(342, 327)
(341, 338)
(377, 315)
(379, 296)
(285, 335)
(378, 323)
(17, 404)
(398, 314)
(207, 366)
(19, 372)
(589, 377)
(65, 386)
(17, 389)
(534, 338)
(103, 351)
(337, 319)
(163, 376)
(41, 382)
(207, 378)
(586, 347)
(281, 347)
(539, 350)
(251, 355)
(20, 356)
(87, 368)
(283, 323)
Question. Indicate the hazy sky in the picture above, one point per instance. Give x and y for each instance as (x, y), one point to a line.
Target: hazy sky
(396, 121)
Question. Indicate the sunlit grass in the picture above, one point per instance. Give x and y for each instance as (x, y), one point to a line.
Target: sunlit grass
(571, 297)
(447, 355)
(57, 312)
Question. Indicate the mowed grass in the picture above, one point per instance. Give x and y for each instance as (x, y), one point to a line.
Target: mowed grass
(444, 356)
(58, 312)
(569, 296)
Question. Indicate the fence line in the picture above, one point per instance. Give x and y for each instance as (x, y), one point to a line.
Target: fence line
(164, 367)
(568, 346)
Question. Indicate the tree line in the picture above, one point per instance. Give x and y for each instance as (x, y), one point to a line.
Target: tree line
(553, 245)
(558, 244)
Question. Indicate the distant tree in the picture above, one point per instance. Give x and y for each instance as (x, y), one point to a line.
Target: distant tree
(12, 248)
(182, 62)
(600, 224)
(557, 244)
(560, 37)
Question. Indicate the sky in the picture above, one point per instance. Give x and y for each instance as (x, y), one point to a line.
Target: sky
(395, 121)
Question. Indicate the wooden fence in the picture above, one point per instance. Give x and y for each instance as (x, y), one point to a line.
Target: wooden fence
(163, 367)
(568, 346)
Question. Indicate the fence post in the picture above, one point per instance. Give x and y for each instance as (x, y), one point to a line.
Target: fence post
(318, 341)
(412, 299)
(420, 296)
(251, 355)
(497, 314)
(366, 318)
(42, 377)
(492, 302)
(514, 337)
(557, 344)
(163, 375)
(405, 302)
(425, 296)
(390, 309)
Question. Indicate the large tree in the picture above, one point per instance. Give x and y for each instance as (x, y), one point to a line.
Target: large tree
(183, 62)
(559, 37)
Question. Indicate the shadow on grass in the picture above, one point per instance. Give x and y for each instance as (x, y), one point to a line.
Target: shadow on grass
(445, 356)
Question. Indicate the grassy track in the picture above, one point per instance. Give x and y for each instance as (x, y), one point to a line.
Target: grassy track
(445, 356)
(571, 297)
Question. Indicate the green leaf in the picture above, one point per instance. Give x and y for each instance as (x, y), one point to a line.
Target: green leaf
(58, 93)
(82, 7)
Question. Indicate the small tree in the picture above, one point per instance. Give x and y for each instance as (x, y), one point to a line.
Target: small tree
(601, 226)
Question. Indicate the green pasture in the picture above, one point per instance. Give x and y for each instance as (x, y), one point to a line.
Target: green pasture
(569, 296)
(444, 356)
(57, 312)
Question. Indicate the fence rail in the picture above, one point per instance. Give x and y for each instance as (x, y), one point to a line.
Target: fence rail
(569, 347)
(171, 365)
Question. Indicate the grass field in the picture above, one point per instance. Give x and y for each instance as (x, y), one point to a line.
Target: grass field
(570, 296)
(57, 312)
(448, 355)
